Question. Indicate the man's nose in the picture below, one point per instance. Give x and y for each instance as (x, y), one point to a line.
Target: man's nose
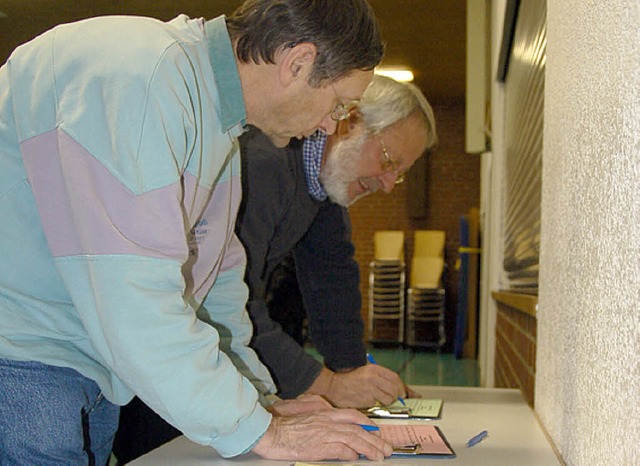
(388, 181)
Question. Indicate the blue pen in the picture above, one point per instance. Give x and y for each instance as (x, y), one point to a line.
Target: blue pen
(373, 361)
(477, 439)
(369, 428)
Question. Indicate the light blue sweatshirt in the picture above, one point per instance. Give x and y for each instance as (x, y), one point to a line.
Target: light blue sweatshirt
(119, 187)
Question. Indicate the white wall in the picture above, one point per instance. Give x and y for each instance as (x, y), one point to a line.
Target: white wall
(491, 209)
(588, 376)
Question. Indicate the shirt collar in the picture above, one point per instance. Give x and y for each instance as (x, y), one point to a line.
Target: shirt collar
(312, 153)
(223, 61)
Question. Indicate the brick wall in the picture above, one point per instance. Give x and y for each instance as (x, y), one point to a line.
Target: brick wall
(453, 187)
(515, 365)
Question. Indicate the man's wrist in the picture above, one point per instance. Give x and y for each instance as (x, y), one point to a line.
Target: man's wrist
(344, 369)
(322, 384)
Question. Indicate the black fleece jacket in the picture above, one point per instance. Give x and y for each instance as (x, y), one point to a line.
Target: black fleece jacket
(277, 217)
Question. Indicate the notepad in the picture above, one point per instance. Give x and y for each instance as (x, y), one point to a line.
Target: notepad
(414, 408)
(417, 440)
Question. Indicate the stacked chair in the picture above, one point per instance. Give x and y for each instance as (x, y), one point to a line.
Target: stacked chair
(426, 295)
(387, 288)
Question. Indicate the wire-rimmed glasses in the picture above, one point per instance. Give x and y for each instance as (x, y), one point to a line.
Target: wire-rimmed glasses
(341, 111)
(389, 165)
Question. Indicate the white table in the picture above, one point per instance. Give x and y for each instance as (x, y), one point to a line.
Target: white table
(515, 436)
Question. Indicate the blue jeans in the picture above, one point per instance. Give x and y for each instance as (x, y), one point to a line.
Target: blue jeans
(53, 416)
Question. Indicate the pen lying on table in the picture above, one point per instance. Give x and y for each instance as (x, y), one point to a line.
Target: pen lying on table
(477, 439)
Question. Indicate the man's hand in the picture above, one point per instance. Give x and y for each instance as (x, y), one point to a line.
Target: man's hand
(411, 393)
(360, 388)
(326, 435)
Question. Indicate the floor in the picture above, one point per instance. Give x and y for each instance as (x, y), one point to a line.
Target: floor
(419, 367)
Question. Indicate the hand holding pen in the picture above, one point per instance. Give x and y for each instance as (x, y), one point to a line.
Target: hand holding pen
(362, 387)
(373, 361)
(336, 434)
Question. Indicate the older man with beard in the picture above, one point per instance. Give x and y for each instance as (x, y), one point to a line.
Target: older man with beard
(294, 201)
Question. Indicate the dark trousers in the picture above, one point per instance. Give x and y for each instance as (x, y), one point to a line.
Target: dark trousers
(140, 430)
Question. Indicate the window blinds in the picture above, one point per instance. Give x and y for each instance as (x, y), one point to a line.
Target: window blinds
(524, 129)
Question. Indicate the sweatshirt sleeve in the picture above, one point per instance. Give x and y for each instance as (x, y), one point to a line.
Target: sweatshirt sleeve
(221, 310)
(329, 281)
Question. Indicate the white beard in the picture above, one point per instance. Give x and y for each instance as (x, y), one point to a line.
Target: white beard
(340, 169)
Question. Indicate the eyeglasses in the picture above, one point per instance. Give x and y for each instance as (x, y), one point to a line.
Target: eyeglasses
(389, 165)
(340, 112)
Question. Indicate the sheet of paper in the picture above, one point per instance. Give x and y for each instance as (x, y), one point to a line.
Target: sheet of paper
(420, 407)
(427, 436)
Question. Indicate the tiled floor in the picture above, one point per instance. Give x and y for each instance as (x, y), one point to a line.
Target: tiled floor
(425, 368)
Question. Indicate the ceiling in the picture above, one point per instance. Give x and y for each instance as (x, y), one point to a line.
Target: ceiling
(426, 35)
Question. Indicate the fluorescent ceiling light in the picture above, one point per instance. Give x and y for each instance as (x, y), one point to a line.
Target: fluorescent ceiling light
(399, 74)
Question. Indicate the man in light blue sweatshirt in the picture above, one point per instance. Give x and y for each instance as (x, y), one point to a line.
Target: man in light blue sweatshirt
(119, 187)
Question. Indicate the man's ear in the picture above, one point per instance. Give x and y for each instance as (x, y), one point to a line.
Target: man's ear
(297, 62)
(355, 122)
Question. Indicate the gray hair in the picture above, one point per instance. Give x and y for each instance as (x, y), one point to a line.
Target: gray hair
(345, 33)
(386, 101)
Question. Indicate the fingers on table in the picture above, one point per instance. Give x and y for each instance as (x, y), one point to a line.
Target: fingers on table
(345, 441)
